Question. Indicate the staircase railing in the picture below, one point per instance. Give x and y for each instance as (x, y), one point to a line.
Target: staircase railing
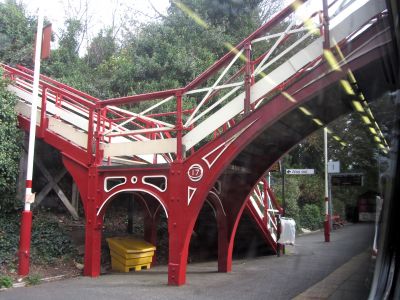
(250, 74)
(61, 108)
(169, 125)
(263, 200)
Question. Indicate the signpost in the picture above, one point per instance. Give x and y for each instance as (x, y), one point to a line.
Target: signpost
(300, 171)
(347, 179)
(333, 167)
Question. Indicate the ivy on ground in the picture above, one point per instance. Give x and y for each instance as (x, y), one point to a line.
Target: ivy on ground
(49, 241)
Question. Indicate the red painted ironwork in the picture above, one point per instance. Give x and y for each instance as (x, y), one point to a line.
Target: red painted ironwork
(24, 243)
(190, 176)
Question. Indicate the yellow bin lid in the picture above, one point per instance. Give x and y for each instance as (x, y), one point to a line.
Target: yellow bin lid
(128, 244)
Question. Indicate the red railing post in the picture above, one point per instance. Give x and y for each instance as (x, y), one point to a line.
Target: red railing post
(90, 136)
(98, 137)
(43, 113)
(179, 127)
(247, 78)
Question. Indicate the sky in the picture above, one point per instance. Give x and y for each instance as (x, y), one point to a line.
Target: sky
(100, 12)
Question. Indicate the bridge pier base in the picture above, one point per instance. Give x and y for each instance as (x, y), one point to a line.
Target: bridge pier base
(92, 259)
(224, 255)
(94, 226)
(227, 227)
(179, 238)
(180, 226)
(86, 179)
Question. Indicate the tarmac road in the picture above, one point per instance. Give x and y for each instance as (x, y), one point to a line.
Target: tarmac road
(270, 277)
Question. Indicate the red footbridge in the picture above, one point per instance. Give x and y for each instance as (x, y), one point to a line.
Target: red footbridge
(215, 139)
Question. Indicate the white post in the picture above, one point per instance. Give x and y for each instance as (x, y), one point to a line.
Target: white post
(26, 219)
(32, 129)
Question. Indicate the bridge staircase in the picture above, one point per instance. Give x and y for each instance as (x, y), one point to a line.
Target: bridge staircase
(214, 139)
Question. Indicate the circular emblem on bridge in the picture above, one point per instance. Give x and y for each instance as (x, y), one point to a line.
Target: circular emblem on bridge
(195, 172)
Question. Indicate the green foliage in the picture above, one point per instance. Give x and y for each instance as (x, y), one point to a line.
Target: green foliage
(33, 279)
(16, 34)
(9, 238)
(311, 217)
(339, 208)
(237, 18)
(292, 210)
(102, 48)
(5, 282)
(10, 138)
(311, 190)
(359, 155)
(292, 193)
(49, 241)
(65, 59)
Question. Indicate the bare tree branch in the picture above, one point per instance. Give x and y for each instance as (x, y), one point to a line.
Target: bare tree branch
(162, 16)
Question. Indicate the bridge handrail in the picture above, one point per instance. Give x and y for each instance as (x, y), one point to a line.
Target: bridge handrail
(188, 91)
(60, 85)
(182, 119)
(227, 87)
(264, 203)
(12, 72)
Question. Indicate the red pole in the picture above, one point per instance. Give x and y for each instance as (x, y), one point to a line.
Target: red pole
(179, 128)
(43, 118)
(90, 136)
(25, 243)
(327, 222)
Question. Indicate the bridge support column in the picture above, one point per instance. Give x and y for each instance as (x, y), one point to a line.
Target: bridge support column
(178, 253)
(180, 226)
(86, 179)
(92, 260)
(224, 259)
(226, 237)
(93, 228)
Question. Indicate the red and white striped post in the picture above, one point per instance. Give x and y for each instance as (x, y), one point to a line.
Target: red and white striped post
(26, 219)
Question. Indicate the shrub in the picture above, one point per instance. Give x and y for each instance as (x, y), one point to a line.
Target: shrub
(5, 282)
(33, 279)
(10, 137)
(311, 217)
(49, 241)
(291, 195)
(9, 238)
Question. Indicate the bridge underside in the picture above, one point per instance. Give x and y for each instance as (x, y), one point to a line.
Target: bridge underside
(326, 103)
